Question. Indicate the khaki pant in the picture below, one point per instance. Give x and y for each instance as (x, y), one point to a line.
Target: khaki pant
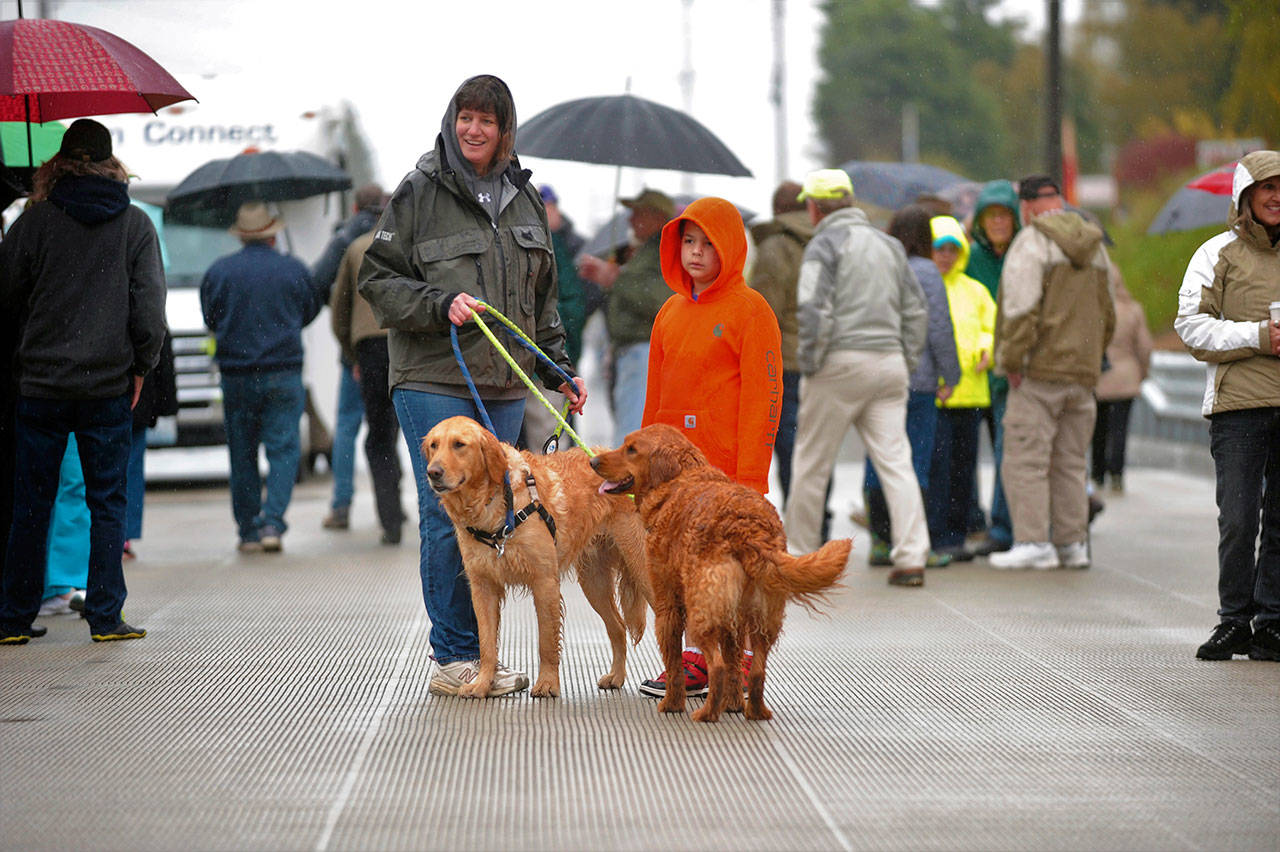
(866, 390)
(1047, 429)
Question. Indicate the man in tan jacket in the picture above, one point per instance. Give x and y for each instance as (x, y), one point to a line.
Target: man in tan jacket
(1056, 316)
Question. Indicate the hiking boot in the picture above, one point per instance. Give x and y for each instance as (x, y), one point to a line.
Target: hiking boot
(1026, 554)
(450, 677)
(695, 678)
(1229, 638)
(337, 519)
(879, 555)
(14, 637)
(119, 632)
(1074, 555)
(906, 577)
(391, 536)
(1266, 642)
(270, 538)
(937, 560)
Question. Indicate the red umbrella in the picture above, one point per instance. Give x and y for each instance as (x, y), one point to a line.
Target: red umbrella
(57, 69)
(1217, 181)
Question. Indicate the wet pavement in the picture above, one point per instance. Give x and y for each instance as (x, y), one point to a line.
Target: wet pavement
(280, 702)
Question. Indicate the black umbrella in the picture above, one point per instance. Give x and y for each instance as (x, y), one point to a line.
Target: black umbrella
(624, 130)
(612, 235)
(895, 185)
(211, 194)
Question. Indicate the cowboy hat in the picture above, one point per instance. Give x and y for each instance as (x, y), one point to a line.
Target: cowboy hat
(255, 222)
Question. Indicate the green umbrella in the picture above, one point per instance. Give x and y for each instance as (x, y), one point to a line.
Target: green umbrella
(45, 139)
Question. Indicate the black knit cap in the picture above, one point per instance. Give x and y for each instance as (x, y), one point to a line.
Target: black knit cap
(1029, 187)
(86, 140)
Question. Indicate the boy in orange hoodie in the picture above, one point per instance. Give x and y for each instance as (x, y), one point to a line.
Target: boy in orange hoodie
(715, 368)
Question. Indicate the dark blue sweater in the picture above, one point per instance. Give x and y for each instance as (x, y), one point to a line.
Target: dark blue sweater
(256, 302)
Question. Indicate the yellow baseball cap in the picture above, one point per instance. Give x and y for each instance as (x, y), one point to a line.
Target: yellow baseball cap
(826, 183)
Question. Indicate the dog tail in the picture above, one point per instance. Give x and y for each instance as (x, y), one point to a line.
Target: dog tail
(805, 579)
(634, 600)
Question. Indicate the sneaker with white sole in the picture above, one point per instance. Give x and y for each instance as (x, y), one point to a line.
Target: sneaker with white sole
(56, 605)
(1026, 554)
(450, 677)
(1074, 555)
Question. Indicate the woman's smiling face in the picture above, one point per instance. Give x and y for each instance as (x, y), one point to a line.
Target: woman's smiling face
(477, 137)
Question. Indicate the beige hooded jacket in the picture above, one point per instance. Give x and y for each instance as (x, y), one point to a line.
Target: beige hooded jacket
(1222, 304)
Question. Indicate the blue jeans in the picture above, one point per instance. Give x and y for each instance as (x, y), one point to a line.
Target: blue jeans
(630, 382)
(262, 409)
(922, 422)
(951, 475)
(445, 589)
(136, 483)
(784, 443)
(1001, 529)
(102, 428)
(350, 415)
(1246, 458)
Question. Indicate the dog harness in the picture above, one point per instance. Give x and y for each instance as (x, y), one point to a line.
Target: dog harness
(498, 540)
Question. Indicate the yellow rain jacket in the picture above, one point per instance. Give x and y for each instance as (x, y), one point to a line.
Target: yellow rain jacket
(973, 317)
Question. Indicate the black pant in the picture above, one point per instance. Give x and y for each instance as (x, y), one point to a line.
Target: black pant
(1246, 458)
(383, 428)
(1110, 434)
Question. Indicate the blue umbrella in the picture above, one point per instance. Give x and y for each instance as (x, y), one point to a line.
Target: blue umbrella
(895, 185)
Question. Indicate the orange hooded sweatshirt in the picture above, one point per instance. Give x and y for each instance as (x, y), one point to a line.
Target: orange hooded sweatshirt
(715, 369)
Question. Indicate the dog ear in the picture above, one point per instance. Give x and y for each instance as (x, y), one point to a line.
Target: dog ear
(665, 463)
(495, 458)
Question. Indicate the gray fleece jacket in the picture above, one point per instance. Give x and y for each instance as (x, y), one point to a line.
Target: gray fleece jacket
(856, 292)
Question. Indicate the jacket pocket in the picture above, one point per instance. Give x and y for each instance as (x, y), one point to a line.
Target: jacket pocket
(451, 263)
(534, 262)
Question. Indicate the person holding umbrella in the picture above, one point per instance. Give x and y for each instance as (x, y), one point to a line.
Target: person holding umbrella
(465, 225)
(81, 268)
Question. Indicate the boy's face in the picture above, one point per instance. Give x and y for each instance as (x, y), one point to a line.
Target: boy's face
(698, 256)
(945, 257)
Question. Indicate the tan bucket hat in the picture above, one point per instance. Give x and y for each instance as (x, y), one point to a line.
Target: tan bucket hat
(255, 222)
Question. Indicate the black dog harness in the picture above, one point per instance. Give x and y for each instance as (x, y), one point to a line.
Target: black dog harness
(498, 540)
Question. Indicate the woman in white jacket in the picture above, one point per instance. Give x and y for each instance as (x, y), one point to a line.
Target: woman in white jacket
(1223, 318)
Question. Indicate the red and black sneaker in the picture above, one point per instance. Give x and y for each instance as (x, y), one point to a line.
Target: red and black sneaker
(695, 678)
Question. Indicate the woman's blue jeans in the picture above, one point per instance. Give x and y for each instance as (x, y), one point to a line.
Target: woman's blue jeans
(444, 584)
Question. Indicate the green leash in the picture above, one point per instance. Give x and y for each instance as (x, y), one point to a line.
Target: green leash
(563, 426)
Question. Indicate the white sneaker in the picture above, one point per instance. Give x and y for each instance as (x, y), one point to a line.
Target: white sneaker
(450, 677)
(56, 605)
(1074, 555)
(1026, 554)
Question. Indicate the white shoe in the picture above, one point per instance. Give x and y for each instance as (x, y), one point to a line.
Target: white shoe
(56, 605)
(1026, 554)
(450, 677)
(1074, 555)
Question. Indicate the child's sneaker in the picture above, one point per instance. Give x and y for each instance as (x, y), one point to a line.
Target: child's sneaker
(879, 555)
(695, 678)
(56, 605)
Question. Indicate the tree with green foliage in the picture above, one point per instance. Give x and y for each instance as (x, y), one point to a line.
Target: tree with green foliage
(1252, 104)
(878, 55)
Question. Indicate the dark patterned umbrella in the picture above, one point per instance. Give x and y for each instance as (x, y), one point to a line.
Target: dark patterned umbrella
(624, 130)
(895, 185)
(211, 194)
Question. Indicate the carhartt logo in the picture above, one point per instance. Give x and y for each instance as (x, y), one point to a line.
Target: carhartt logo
(691, 421)
(484, 197)
(718, 330)
(385, 236)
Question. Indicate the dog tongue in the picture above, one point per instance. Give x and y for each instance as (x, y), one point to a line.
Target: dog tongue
(605, 486)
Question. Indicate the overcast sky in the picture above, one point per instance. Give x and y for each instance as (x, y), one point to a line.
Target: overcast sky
(399, 61)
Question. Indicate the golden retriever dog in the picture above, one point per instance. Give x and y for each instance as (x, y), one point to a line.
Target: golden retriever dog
(601, 537)
(718, 565)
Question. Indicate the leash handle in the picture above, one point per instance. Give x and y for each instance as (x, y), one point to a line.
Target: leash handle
(506, 356)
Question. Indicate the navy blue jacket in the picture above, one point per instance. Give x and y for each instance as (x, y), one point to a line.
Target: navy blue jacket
(256, 302)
